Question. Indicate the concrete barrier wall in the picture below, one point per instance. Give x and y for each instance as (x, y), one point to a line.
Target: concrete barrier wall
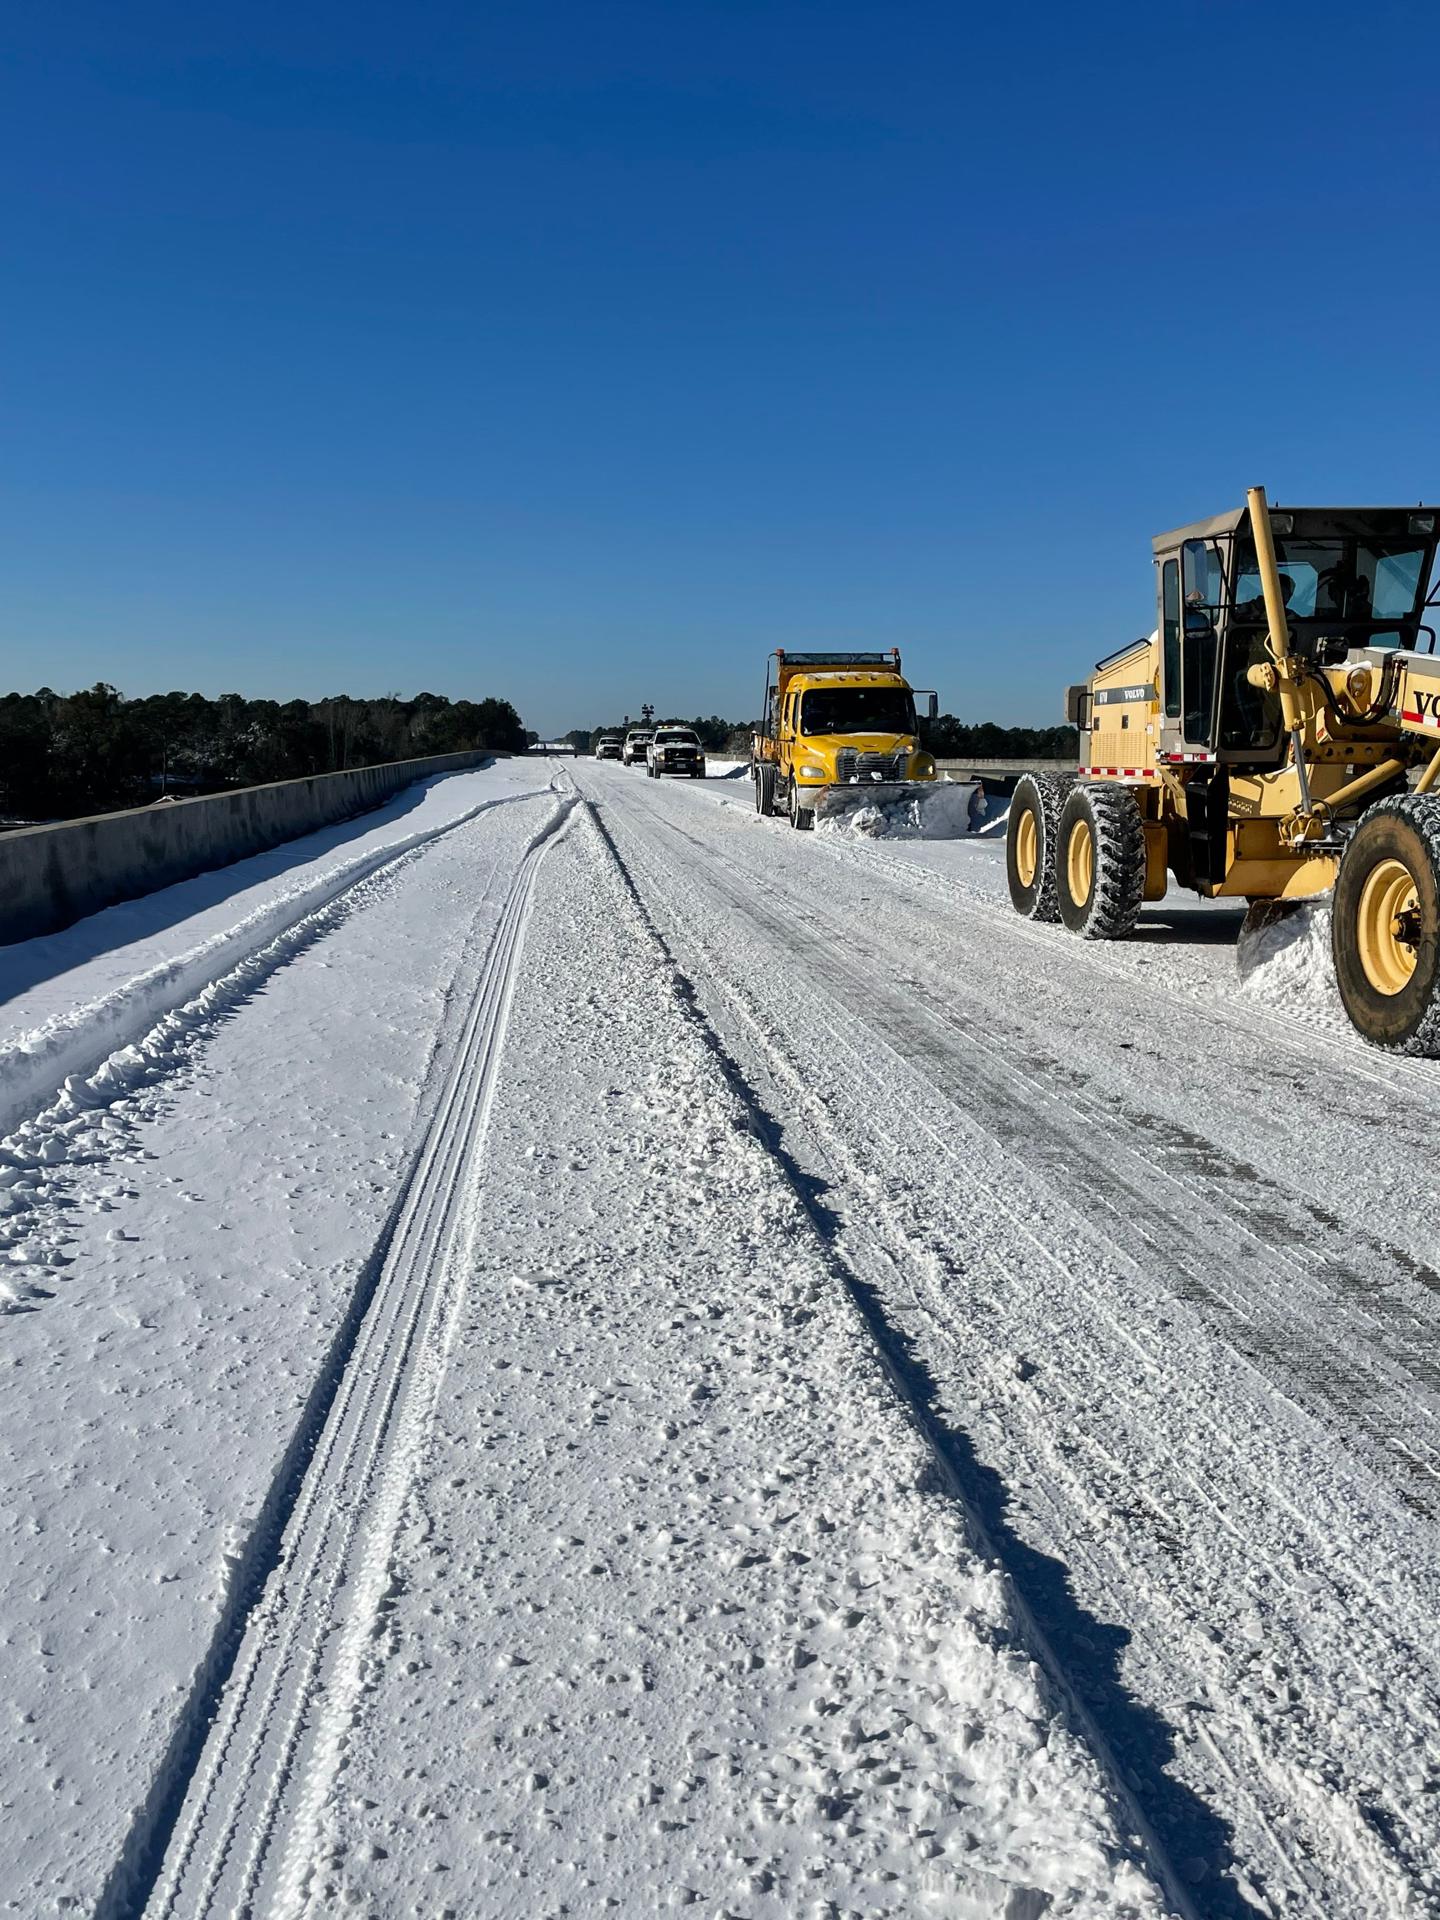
(52, 876)
(1001, 769)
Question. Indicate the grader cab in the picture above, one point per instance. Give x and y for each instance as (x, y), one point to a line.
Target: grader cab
(1276, 739)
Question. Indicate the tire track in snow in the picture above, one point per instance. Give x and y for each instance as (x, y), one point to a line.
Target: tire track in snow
(207, 1842)
(900, 1370)
(1178, 1202)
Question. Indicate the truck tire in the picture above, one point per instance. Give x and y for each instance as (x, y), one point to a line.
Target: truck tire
(802, 818)
(1100, 862)
(1385, 928)
(1030, 842)
(764, 788)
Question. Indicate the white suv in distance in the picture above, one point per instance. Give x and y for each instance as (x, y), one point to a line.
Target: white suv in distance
(607, 747)
(675, 750)
(636, 741)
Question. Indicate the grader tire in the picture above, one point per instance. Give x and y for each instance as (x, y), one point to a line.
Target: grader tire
(1035, 808)
(1385, 928)
(1100, 862)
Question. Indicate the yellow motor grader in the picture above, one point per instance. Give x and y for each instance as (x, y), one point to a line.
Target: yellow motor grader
(1276, 739)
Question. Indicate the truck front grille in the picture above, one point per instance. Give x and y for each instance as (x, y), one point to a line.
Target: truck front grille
(850, 765)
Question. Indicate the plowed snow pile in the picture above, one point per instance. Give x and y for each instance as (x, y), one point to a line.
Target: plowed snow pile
(679, 1612)
(1289, 963)
(938, 812)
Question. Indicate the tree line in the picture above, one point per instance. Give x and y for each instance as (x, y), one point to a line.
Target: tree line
(62, 755)
(951, 739)
(947, 738)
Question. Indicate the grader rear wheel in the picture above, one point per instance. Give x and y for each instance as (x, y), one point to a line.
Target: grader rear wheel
(1385, 930)
(1100, 862)
(1030, 842)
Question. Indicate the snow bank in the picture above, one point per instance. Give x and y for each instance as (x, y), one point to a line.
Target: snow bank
(73, 1042)
(196, 1246)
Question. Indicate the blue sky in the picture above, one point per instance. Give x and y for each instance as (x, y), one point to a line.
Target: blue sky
(580, 353)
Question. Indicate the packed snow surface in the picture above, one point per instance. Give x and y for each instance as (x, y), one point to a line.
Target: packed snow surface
(573, 1349)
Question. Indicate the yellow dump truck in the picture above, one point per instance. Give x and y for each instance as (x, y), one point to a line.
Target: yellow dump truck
(839, 732)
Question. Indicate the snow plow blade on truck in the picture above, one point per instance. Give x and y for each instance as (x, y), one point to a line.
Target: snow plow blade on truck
(840, 735)
(1276, 740)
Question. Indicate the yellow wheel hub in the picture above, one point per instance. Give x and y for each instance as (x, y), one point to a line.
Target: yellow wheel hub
(1027, 849)
(1387, 926)
(1080, 862)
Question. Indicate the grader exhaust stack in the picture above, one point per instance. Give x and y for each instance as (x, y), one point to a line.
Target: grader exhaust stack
(1279, 636)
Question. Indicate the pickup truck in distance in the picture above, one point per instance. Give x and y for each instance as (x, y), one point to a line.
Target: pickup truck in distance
(675, 750)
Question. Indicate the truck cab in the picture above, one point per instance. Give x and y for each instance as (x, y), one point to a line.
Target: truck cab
(839, 728)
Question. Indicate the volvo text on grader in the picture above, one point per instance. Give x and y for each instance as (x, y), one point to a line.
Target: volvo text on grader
(1276, 739)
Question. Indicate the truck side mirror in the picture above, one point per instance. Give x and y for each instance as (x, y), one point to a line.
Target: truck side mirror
(932, 706)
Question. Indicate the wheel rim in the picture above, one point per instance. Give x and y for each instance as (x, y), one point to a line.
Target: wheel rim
(1027, 849)
(1386, 930)
(1080, 862)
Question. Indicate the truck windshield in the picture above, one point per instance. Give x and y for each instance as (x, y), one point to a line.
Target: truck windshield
(857, 710)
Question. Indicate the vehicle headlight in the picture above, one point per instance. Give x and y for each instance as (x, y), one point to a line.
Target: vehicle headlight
(811, 773)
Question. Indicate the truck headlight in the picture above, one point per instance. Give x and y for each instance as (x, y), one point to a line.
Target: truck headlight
(811, 773)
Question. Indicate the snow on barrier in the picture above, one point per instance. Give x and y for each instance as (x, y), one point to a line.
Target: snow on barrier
(52, 876)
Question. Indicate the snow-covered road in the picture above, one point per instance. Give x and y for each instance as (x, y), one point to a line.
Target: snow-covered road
(598, 1349)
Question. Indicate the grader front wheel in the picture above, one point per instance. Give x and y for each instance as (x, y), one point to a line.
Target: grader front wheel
(1385, 931)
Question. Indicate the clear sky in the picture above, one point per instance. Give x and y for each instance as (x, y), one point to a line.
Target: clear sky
(580, 351)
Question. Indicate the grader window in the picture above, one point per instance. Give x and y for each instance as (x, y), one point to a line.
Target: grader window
(1204, 575)
(1346, 584)
(1170, 615)
(1249, 717)
(1199, 681)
